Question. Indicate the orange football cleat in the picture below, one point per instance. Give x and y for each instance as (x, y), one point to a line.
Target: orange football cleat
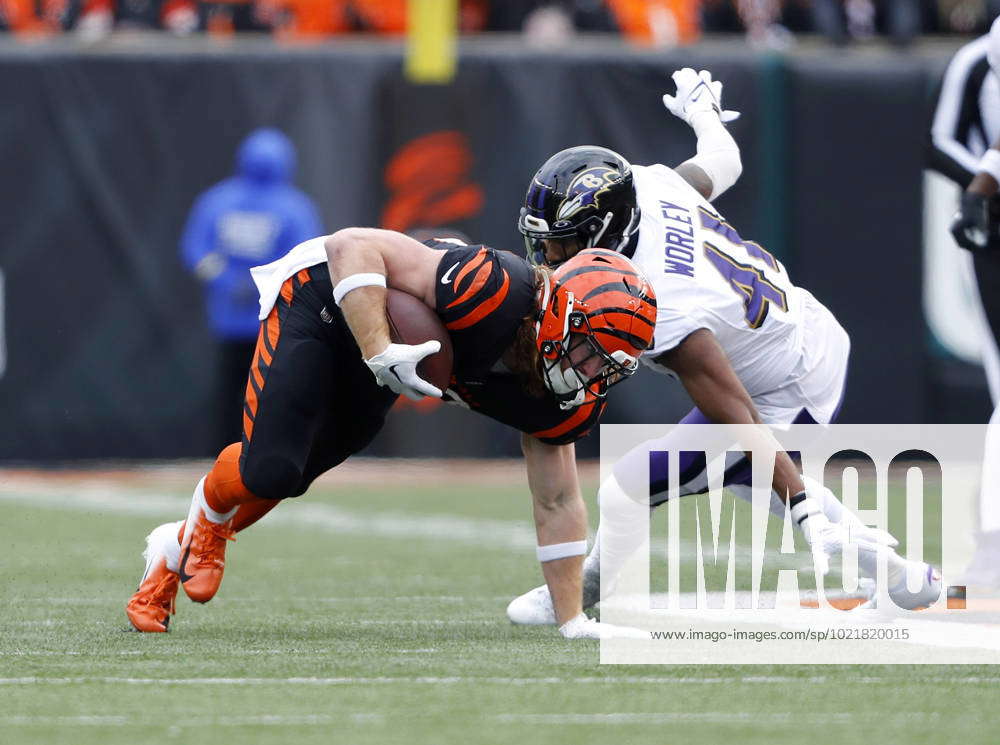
(150, 608)
(203, 555)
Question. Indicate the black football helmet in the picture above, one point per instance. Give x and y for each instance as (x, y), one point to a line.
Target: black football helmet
(584, 192)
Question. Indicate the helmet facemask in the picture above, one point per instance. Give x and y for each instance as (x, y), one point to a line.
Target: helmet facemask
(593, 232)
(568, 382)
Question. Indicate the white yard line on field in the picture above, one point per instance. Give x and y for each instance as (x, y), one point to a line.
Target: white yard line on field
(283, 720)
(64, 721)
(476, 680)
(797, 718)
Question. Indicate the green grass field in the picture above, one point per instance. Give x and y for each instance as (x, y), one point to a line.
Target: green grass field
(367, 613)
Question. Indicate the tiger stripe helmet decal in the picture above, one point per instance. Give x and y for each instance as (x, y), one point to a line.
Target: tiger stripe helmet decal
(599, 298)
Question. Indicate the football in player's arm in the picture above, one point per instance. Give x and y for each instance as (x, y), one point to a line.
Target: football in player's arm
(535, 349)
(559, 510)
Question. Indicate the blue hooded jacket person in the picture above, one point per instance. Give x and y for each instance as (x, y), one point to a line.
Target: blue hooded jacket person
(251, 218)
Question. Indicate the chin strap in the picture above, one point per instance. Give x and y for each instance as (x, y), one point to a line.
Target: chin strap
(545, 292)
(626, 242)
(593, 240)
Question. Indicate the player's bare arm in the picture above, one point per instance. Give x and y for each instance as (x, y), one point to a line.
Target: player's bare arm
(560, 520)
(709, 379)
(986, 182)
(363, 262)
(406, 264)
(695, 176)
(698, 101)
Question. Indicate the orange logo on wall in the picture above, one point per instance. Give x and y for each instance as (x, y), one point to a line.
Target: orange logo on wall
(430, 183)
(430, 186)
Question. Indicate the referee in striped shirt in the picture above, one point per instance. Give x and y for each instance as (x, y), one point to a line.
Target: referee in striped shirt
(965, 146)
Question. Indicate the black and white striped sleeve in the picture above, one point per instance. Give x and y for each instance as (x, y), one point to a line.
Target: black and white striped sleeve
(957, 114)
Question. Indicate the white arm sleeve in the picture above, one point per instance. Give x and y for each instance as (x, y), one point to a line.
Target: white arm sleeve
(956, 103)
(718, 154)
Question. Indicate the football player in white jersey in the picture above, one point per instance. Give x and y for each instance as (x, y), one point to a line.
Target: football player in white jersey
(748, 345)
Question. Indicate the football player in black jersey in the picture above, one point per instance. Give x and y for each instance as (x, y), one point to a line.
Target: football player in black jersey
(534, 349)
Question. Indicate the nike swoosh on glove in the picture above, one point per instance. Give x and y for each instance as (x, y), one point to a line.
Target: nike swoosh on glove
(696, 94)
(396, 368)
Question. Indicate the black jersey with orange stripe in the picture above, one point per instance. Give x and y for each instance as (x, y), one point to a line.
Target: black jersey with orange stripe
(483, 296)
(501, 396)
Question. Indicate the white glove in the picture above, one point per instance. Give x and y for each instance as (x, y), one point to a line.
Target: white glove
(396, 367)
(858, 532)
(581, 627)
(824, 537)
(827, 539)
(696, 94)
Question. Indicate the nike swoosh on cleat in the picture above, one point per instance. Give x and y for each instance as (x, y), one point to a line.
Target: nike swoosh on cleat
(180, 569)
(446, 277)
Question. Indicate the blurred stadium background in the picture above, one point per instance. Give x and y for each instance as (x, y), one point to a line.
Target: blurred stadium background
(107, 139)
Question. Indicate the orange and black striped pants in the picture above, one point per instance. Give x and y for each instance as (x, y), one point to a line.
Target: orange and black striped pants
(311, 402)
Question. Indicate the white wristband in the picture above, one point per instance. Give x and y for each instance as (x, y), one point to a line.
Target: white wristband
(805, 509)
(561, 550)
(354, 281)
(990, 163)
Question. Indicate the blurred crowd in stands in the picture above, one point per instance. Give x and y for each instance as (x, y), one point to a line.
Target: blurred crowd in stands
(770, 23)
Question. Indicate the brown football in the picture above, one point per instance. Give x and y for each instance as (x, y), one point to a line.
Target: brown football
(412, 322)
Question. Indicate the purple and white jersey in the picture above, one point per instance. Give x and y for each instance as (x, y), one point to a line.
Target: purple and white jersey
(786, 348)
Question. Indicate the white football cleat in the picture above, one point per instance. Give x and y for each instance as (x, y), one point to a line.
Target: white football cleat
(533, 608)
(928, 594)
(150, 608)
(582, 627)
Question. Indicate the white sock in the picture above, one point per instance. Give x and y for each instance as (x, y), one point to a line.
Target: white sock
(163, 540)
(621, 532)
(198, 504)
(172, 547)
(592, 563)
(212, 515)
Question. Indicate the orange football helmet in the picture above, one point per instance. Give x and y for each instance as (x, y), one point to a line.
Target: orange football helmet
(600, 299)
